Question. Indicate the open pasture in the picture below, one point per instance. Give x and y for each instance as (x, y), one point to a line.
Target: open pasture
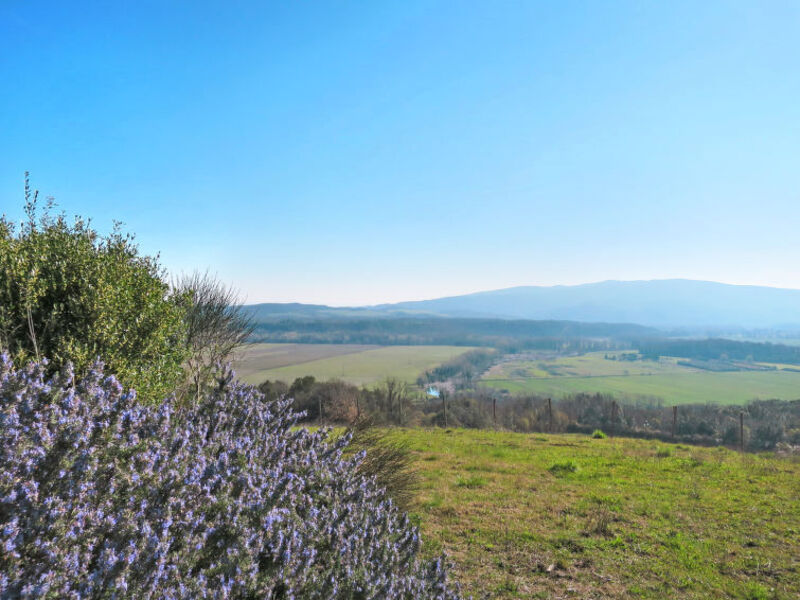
(252, 359)
(360, 365)
(593, 364)
(567, 516)
(664, 379)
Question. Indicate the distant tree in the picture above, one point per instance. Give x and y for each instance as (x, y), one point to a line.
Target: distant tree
(273, 390)
(302, 385)
(340, 401)
(301, 393)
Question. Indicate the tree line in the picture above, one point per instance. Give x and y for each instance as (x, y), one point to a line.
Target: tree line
(549, 335)
(766, 424)
(716, 348)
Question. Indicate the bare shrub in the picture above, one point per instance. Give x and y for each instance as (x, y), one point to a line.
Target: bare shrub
(215, 326)
(599, 521)
(389, 461)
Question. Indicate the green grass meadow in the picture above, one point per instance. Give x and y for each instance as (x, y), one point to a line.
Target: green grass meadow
(567, 516)
(359, 365)
(665, 379)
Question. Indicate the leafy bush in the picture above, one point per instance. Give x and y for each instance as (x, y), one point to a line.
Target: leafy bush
(71, 294)
(562, 469)
(273, 390)
(102, 497)
(598, 434)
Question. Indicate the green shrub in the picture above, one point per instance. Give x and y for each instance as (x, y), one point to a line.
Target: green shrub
(70, 294)
(599, 435)
(563, 468)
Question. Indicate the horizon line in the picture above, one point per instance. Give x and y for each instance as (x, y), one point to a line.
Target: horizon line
(520, 286)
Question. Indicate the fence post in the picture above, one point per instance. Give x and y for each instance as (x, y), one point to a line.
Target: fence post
(494, 411)
(741, 430)
(550, 415)
(674, 420)
(613, 415)
(444, 406)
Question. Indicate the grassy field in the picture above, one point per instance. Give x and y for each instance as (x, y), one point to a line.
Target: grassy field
(664, 379)
(566, 516)
(361, 365)
(253, 359)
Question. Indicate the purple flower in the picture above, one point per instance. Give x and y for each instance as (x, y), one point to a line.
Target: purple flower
(102, 497)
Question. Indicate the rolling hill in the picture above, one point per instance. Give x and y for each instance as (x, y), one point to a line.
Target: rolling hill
(669, 304)
(673, 303)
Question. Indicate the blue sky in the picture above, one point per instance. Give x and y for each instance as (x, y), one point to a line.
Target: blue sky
(353, 153)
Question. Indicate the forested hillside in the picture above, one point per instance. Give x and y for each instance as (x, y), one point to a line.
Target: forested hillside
(447, 331)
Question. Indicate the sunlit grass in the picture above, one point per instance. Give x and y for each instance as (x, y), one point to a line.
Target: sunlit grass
(569, 516)
(664, 379)
(362, 366)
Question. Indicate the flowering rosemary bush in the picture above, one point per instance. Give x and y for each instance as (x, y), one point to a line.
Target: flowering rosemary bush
(101, 497)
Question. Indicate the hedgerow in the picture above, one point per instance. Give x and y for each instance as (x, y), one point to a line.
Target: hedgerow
(103, 497)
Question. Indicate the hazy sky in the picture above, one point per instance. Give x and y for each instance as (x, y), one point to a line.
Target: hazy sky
(351, 153)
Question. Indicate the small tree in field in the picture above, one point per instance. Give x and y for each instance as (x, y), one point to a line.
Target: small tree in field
(71, 294)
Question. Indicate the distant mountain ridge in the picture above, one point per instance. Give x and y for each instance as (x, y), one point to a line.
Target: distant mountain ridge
(277, 311)
(665, 303)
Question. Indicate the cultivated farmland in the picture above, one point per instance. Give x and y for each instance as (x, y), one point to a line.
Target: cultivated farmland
(357, 364)
(665, 379)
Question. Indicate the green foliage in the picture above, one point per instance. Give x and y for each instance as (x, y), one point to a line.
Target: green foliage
(720, 349)
(69, 294)
(462, 370)
(310, 325)
(562, 469)
(598, 434)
